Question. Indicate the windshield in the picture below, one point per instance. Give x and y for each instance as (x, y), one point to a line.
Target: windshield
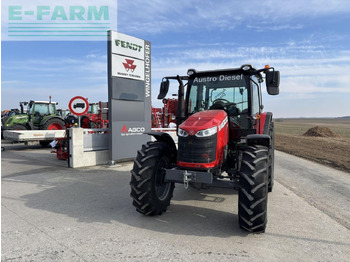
(215, 92)
(93, 109)
(41, 109)
(30, 108)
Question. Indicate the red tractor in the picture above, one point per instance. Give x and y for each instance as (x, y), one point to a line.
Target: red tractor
(96, 116)
(162, 117)
(224, 140)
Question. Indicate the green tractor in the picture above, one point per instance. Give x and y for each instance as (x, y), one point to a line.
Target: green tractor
(40, 115)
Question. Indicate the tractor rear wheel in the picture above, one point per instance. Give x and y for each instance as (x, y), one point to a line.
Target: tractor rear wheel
(53, 124)
(85, 122)
(150, 193)
(252, 198)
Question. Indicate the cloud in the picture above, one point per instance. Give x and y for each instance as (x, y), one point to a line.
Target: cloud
(306, 70)
(260, 28)
(158, 16)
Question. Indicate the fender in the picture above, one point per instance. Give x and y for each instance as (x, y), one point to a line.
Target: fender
(164, 137)
(257, 139)
(49, 118)
(267, 124)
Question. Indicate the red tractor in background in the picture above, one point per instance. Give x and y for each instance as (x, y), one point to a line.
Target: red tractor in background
(162, 117)
(224, 140)
(96, 116)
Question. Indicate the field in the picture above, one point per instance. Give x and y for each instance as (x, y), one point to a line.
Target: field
(333, 151)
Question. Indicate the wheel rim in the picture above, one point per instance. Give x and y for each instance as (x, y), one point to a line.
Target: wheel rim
(162, 188)
(55, 126)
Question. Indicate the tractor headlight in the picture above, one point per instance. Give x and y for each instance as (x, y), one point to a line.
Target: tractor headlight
(181, 132)
(207, 132)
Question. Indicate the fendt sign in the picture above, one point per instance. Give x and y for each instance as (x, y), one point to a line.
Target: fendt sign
(131, 46)
(129, 94)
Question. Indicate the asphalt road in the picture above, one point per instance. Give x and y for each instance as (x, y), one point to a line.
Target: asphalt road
(52, 213)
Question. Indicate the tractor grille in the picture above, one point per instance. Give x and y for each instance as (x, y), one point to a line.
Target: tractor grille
(194, 149)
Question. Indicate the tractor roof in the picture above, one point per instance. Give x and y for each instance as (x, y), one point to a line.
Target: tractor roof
(244, 69)
(43, 102)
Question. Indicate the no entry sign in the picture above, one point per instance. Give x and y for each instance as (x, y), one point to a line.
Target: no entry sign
(78, 105)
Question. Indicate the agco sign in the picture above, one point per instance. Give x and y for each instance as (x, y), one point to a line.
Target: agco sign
(132, 131)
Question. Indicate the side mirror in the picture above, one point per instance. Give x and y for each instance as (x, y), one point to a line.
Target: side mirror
(164, 88)
(273, 82)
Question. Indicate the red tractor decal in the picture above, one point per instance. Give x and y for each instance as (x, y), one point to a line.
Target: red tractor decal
(129, 65)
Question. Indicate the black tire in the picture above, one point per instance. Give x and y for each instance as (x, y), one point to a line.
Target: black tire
(44, 143)
(71, 120)
(85, 122)
(53, 124)
(150, 194)
(252, 198)
(17, 127)
(13, 127)
(271, 163)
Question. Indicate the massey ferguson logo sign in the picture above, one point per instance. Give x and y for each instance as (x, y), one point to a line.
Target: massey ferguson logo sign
(129, 65)
(128, 68)
(130, 58)
(132, 131)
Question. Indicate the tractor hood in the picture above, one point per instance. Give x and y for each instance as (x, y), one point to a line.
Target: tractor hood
(203, 120)
(22, 118)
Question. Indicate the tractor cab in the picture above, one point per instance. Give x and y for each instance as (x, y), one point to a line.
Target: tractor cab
(229, 93)
(236, 91)
(37, 110)
(93, 108)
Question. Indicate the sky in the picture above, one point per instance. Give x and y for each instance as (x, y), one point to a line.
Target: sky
(308, 43)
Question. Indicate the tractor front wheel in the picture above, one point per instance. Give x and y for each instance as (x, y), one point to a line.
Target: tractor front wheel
(44, 143)
(150, 193)
(17, 126)
(252, 198)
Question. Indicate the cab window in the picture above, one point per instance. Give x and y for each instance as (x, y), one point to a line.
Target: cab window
(42, 109)
(255, 98)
